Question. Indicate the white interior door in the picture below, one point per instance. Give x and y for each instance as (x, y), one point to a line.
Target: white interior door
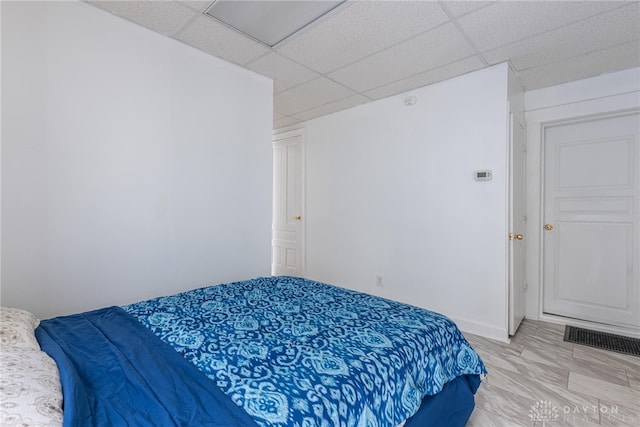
(517, 224)
(592, 223)
(287, 256)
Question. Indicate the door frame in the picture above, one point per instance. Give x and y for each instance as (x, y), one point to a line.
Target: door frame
(537, 122)
(302, 229)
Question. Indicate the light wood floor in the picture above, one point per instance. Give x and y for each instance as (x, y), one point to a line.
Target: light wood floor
(538, 379)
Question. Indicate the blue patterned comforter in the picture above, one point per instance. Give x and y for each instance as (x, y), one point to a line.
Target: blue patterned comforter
(296, 352)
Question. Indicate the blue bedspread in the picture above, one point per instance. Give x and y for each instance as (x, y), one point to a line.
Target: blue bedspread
(115, 372)
(296, 352)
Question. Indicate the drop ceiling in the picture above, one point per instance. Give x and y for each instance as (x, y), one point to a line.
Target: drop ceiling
(367, 50)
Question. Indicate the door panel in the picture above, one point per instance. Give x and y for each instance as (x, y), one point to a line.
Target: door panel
(580, 272)
(593, 164)
(287, 256)
(591, 205)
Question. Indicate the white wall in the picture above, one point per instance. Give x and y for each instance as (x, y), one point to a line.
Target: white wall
(605, 94)
(390, 192)
(132, 165)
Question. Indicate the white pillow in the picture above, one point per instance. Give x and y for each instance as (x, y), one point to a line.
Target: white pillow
(30, 390)
(17, 328)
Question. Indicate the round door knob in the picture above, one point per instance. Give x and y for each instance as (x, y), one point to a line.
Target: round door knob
(548, 227)
(298, 218)
(519, 236)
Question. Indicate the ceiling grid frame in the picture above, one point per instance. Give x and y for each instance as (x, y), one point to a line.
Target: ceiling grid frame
(521, 33)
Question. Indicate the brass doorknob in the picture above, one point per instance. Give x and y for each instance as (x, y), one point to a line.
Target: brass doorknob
(548, 227)
(519, 236)
(298, 218)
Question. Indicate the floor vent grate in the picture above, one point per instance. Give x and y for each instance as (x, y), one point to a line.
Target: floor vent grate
(603, 340)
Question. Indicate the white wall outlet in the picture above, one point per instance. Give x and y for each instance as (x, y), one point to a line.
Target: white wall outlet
(379, 281)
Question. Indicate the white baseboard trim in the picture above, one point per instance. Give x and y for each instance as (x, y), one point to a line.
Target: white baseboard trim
(482, 329)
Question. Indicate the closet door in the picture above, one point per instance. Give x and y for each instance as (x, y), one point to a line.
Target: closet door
(287, 257)
(591, 217)
(517, 223)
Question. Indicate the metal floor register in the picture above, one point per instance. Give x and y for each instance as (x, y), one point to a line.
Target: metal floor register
(603, 340)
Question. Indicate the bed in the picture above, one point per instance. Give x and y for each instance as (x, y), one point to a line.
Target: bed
(272, 351)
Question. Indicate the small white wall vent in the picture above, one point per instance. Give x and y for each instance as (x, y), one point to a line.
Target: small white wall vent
(410, 100)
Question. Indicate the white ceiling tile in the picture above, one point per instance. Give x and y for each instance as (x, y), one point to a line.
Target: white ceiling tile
(459, 8)
(458, 68)
(509, 21)
(285, 72)
(425, 52)
(284, 122)
(604, 61)
(271, 21)
(163, 17)
(332, 107)
(608, 29)
(309, 95)
(359, 30)
(218, 40)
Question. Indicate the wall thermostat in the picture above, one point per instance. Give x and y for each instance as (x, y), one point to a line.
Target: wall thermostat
(484, 175)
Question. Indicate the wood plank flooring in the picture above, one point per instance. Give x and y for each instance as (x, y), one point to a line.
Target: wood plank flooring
(540, 380)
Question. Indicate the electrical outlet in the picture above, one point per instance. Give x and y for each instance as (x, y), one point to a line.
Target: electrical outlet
(379, 281)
